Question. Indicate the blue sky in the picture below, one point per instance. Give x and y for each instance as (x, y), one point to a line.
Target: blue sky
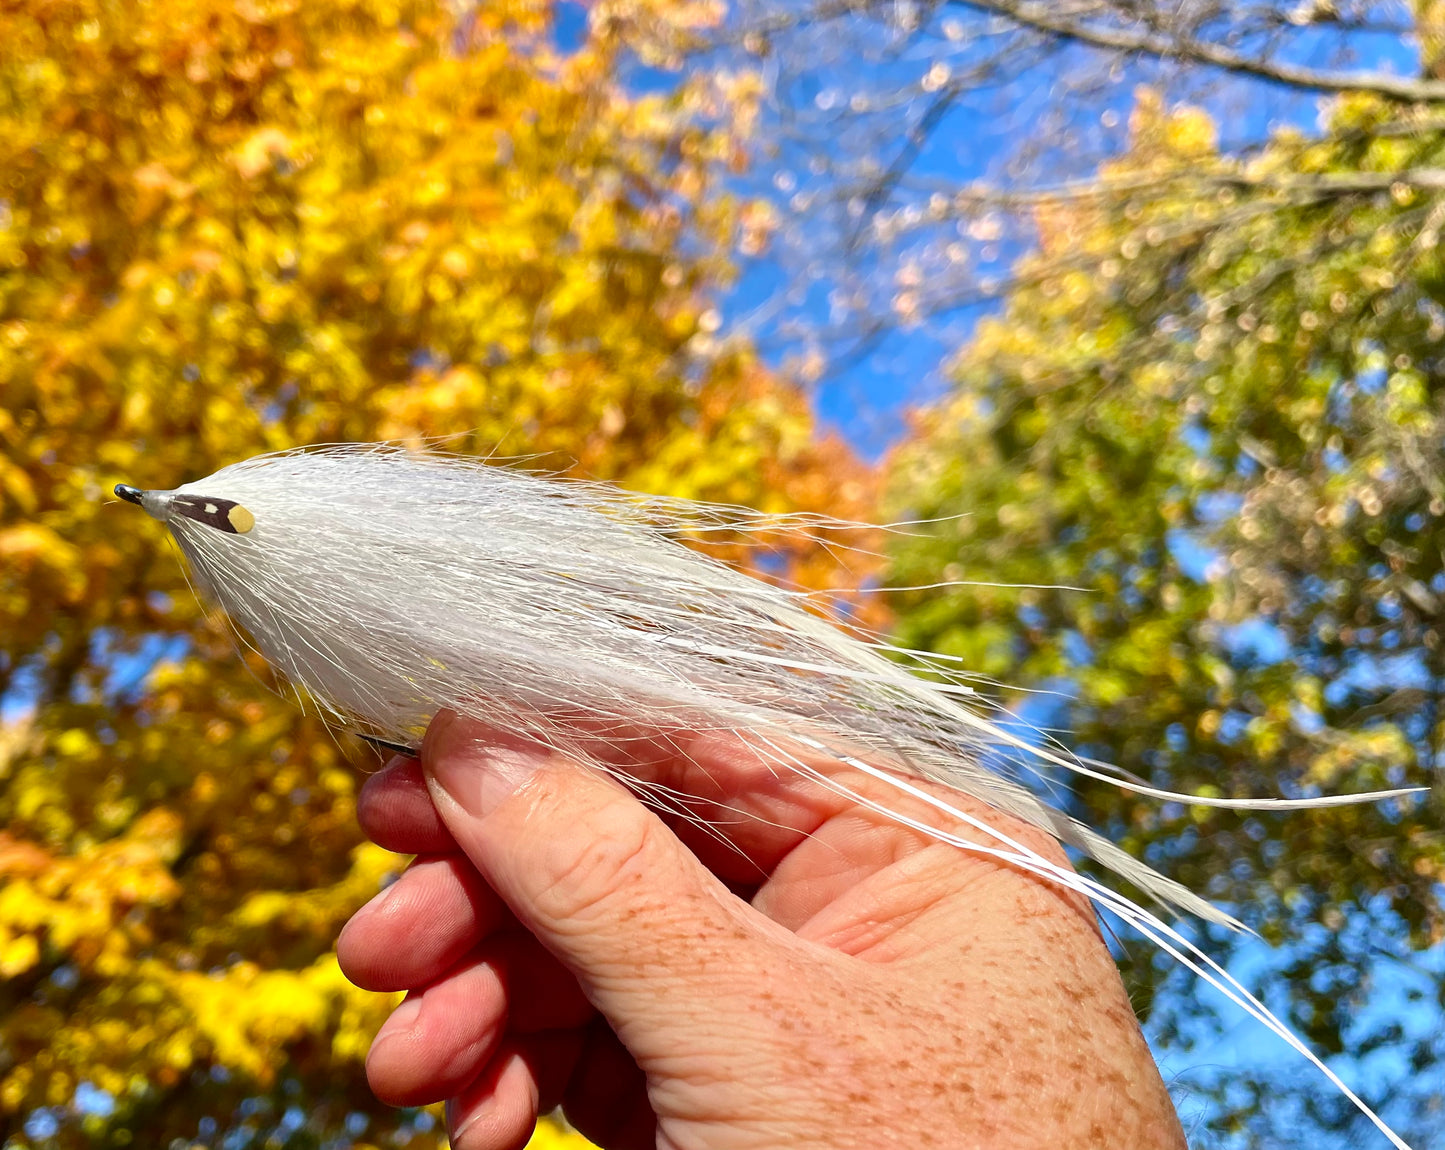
(866, 398)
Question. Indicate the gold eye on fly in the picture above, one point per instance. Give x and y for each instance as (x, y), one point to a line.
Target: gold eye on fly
(393, 584)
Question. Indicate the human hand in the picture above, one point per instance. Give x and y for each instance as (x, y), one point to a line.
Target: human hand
(785, 968)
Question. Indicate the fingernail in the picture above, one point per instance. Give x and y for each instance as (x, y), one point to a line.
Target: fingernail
(438, 726)
(455, 1132)
(478, 768)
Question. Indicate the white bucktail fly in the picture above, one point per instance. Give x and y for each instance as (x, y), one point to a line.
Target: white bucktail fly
(390, 584)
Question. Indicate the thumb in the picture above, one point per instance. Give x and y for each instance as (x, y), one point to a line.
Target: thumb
(594, 875)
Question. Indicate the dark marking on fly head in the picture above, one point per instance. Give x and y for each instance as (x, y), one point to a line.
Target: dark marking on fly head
(223, 514)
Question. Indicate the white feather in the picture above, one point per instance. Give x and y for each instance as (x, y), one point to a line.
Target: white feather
(391, 584)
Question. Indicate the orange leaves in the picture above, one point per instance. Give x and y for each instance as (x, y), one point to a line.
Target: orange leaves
(32, 545)
(82, 906)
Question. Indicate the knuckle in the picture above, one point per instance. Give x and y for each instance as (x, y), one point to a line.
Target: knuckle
(598, 864)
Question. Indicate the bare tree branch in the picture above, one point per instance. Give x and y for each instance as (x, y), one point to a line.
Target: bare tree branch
(1181, 46)
(1150, 40)
(1297, 189)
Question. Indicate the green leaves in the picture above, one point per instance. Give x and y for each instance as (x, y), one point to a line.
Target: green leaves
(1231, 437)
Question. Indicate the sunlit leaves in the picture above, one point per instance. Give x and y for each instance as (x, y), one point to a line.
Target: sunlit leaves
(227, 228)
(1230, 438)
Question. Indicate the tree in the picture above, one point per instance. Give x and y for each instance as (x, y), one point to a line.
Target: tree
(227, 228)
(1219, 408)
(907, 146)
(1210, 230)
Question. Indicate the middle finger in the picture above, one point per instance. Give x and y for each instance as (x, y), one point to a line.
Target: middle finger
(417, 929)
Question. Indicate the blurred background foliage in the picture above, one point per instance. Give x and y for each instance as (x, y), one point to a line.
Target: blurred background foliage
(227, 228)
(1180, 263)
(1225, 425)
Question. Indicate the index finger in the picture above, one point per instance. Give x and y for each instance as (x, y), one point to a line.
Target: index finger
(738, 812)
(740, 802)
(743, 801)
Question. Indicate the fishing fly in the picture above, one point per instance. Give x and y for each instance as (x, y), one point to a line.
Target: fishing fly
(388, 585)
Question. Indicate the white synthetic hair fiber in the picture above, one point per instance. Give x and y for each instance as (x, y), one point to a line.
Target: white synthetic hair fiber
(391, 584)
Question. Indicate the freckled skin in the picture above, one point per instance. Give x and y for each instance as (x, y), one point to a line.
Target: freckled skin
(870, 987)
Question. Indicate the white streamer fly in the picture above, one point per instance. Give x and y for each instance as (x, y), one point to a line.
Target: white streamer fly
(391, 584)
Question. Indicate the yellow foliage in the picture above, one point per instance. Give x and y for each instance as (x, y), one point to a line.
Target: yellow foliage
(1181, 132)
(553, 1135)
(1354, 752)
(228, 228)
